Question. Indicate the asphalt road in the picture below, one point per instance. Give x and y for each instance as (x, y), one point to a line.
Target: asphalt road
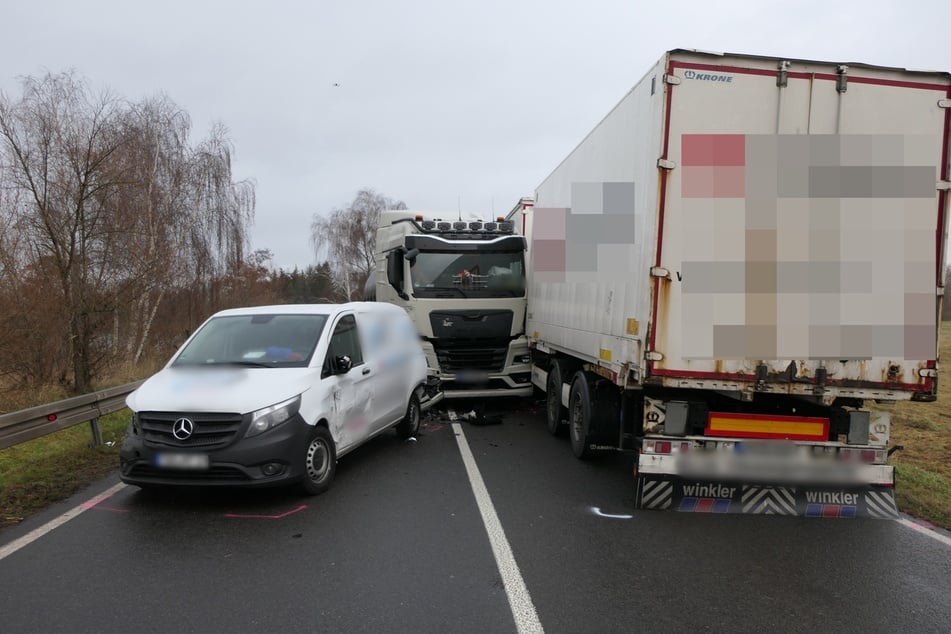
(398, 544)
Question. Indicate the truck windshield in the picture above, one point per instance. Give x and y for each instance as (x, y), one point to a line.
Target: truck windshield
(268, 341)
(470, 274)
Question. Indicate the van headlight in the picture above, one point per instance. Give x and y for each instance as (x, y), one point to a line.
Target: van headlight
(270, 417)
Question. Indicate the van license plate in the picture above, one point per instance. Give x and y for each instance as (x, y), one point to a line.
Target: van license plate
(182, 461)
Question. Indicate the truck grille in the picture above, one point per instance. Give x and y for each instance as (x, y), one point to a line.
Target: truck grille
(489, 358)
(210, 430)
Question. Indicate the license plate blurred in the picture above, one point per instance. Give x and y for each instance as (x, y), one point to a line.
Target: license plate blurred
(182, 461)
(779, 448)
(472, 377)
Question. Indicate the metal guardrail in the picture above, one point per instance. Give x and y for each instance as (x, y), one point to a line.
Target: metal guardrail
(27, 424)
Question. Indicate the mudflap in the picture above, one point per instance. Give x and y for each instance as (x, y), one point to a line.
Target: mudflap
(672, 493)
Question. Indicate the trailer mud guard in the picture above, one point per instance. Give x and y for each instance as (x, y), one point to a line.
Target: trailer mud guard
(672, 493)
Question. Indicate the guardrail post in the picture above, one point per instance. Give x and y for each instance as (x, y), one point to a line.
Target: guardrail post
(96, 433)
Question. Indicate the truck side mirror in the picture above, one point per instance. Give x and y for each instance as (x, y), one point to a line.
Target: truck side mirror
(411, 254)
(394, 271)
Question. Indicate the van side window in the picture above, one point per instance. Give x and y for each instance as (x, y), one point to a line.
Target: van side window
(344, 342)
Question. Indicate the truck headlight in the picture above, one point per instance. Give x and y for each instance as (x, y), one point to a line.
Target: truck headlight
(270, 417)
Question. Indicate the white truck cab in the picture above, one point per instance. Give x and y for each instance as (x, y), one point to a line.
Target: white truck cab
(275, 394)
(462, 283)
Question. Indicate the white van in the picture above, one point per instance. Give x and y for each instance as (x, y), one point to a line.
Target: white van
(276, 394)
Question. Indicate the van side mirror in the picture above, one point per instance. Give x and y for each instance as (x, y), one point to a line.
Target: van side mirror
(394, 271)
(342, 364)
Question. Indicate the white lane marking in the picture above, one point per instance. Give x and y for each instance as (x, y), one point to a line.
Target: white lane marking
(526, 618)
(924, 530)
(597, 511)
(36, 533)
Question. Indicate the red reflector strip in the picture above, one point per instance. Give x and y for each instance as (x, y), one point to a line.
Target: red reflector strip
(759, 426)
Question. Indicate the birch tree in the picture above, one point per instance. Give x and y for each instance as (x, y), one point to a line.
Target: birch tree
(347, 237)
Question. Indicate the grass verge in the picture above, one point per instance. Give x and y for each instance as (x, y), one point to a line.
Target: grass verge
(924, 493)
(923, 479)
(35, 474)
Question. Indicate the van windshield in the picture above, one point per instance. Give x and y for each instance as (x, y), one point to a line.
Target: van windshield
(267, 341)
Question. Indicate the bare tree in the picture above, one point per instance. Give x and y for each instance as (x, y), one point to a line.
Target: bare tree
(61, 140)
(105, 211)
(347, 238)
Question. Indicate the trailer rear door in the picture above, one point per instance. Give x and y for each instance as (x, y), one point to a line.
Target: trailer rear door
(802, 225)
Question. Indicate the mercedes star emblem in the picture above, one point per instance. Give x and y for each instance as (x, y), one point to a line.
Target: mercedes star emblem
(183, 428)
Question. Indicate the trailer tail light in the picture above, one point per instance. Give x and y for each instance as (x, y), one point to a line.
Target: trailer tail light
(657, 446)
(868, 456)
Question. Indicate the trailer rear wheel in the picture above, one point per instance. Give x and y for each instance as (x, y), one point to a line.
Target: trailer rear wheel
(579, 416)
(554, 411)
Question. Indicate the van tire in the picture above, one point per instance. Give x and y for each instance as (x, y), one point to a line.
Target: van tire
(554, 411)
(409, 426)
(579, 416)
(320, 462)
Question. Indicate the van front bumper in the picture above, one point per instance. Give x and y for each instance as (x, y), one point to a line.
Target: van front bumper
(273, 458)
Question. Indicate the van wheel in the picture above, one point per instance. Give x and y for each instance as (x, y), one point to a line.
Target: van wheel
(554, 412)
(409, 426)
(579, 416)
(320, 462)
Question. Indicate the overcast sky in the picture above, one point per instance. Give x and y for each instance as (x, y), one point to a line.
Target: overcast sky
(439, 103)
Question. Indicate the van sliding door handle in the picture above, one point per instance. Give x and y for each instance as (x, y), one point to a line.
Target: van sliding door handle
(366, 371)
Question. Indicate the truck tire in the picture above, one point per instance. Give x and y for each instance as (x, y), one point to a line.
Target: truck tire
(554, 410)
(320, 462)
(579, 416)
(409, 426)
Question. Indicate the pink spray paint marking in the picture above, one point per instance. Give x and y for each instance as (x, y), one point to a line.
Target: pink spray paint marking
(265, 517)
(91, 503)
